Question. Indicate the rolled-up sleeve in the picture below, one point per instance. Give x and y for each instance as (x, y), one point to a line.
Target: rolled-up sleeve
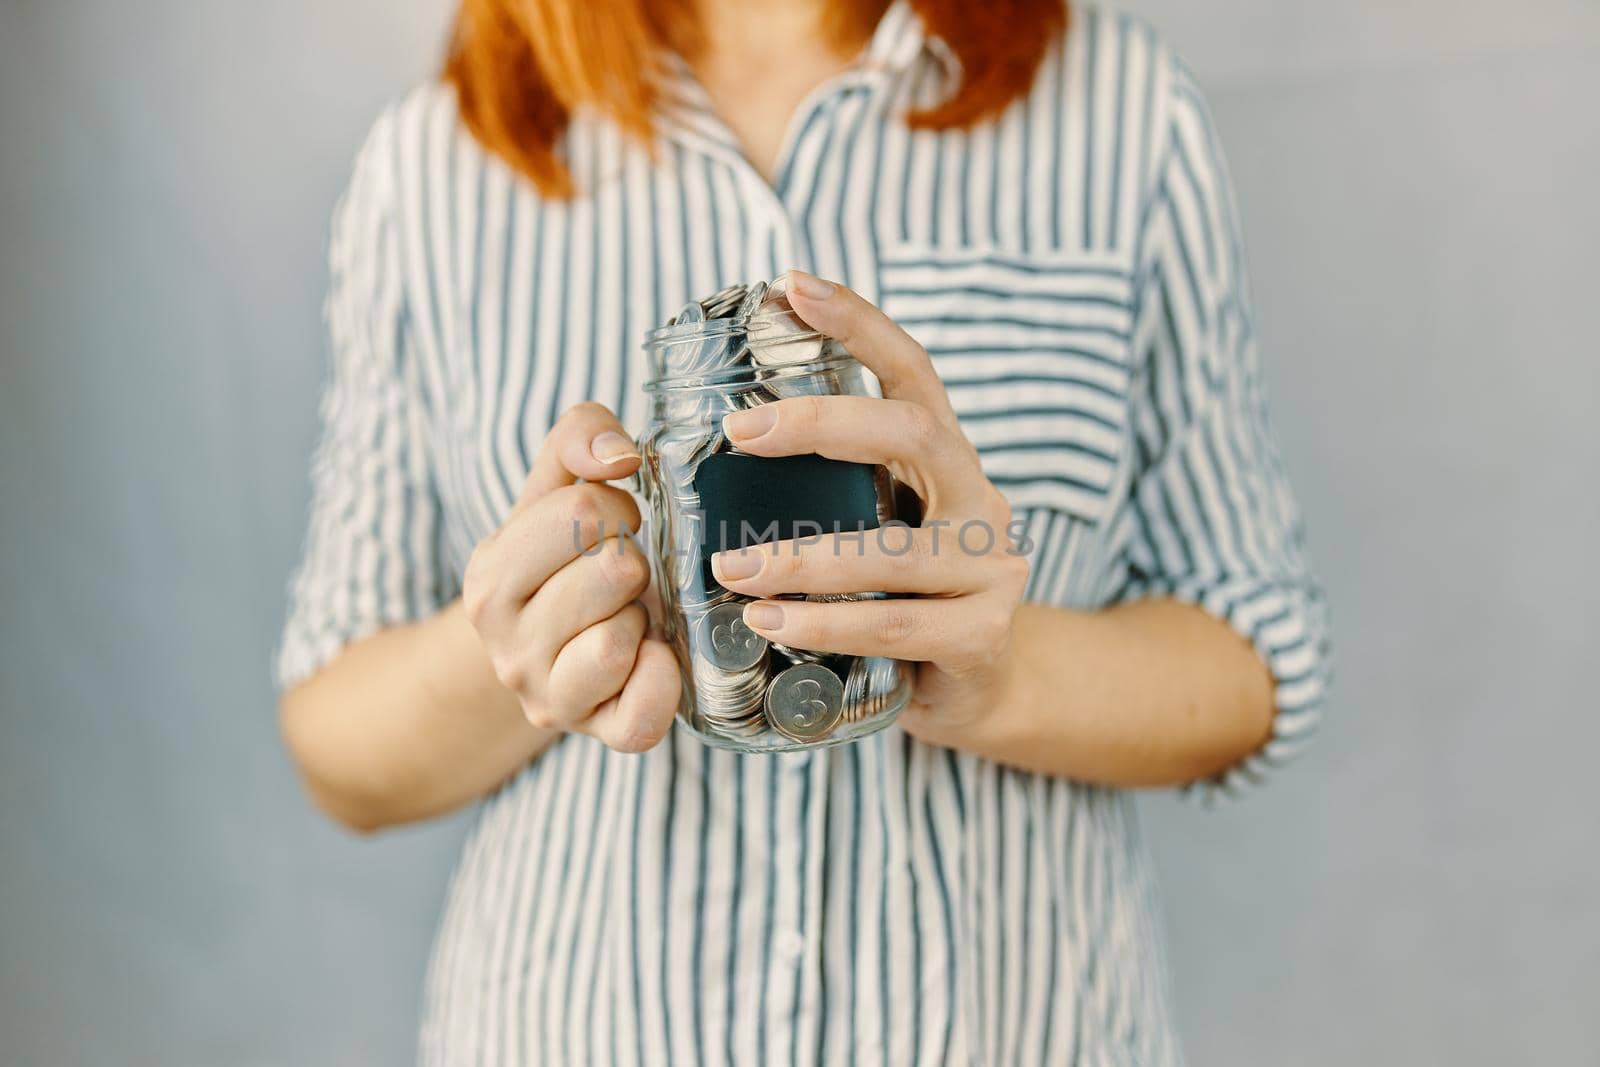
(1211, 518)
(371, 557)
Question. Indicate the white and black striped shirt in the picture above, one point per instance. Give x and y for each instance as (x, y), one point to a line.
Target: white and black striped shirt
(1074, 268)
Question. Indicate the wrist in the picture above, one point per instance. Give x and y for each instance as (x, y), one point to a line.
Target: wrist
(969, 712)
(1016, 704)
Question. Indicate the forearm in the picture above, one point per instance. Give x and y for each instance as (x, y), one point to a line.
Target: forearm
(407, 724)
(1150, 693)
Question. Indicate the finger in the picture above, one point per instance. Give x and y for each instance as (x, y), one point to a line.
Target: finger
(937, 560)
(586, 442)
(587, 590)
(651, 599)
(922, 451)
(955, 633)
(901, 364)
(593, 667)
(640, 716)
(509, 565)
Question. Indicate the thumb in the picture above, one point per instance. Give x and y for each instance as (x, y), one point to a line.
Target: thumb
(587, 442)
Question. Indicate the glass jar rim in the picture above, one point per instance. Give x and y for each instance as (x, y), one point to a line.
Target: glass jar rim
(747, 374)
(759, 326)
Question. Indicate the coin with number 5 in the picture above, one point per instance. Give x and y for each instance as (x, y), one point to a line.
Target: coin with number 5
(727, 642)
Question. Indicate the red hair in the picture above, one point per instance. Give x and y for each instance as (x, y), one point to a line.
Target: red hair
(520, 67)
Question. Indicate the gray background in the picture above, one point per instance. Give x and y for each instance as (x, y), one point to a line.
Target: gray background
(1417, 180)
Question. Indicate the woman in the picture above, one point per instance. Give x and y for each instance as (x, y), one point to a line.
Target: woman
(1027, 233)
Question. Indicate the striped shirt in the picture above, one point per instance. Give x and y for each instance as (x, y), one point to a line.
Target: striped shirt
(1074, 268)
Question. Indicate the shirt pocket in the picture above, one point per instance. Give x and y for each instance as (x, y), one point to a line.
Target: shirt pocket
(1034, 351)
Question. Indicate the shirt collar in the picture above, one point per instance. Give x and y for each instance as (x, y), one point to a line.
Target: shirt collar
(897, 44)
(897, 41)
(901, 39)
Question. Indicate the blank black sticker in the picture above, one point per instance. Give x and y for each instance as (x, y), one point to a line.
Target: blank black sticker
(752, 500)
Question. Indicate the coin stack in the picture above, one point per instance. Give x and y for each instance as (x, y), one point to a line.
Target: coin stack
(744, 685)
(730, 670)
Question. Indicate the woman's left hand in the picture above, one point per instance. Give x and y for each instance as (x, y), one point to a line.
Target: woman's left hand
(954, 583)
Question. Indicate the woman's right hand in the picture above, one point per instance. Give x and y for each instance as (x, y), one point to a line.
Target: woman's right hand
(555, 594)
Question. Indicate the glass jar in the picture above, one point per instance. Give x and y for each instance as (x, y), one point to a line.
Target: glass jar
(737, 349)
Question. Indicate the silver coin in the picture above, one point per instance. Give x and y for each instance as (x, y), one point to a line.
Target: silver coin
(724, 302)
(778, 336)
(798, 655)
(751, 397)
(768, 351)
(884, 675)
(856, 692)
(871, 685)
(730, 703)
(753, 297)
(787, 382)
(727, 642)
(804, 703)
(734, 292)
(729, 696)
(779, 348)
(697, 609)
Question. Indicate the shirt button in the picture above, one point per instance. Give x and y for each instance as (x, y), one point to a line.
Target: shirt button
(790, 945)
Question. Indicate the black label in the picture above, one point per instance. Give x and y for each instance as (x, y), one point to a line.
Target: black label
(750, 500)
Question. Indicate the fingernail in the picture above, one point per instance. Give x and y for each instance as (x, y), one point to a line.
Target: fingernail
(809, 285)
(611, 447)
(763, 615)
(750, 423)
(734, 566)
